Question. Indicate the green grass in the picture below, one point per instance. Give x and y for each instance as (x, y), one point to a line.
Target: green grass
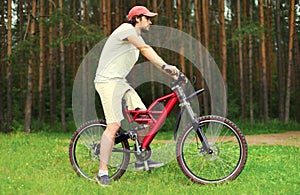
(38, 164)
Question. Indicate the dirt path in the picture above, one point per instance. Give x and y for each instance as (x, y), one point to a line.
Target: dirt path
(291, 138)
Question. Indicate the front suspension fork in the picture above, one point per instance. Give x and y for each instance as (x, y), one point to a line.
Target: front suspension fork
(202, 137)
(185, 104)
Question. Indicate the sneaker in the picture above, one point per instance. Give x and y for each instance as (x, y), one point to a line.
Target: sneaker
(142, 165)
(103, 180)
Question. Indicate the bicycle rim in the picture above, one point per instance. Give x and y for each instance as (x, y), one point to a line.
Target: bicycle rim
(225, 163)
(85, 148)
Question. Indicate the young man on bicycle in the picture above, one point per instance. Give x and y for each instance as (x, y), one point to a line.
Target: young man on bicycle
(118, 57)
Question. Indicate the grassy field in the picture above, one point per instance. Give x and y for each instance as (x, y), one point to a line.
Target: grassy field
(38, 164)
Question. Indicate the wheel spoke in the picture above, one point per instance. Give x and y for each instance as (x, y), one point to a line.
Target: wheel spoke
(85, 149)
(227, 143)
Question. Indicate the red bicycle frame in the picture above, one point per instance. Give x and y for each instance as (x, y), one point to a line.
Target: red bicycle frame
(148, 116)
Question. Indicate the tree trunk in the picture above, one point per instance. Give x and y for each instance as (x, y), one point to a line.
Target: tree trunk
(290, 61)
(241, 66)
(3, 53)
(269, 53)
(117, 14)
(9, 68)
(263, 61)
(101, 18)
(212, 29)
(73, 55)
(105, 18)
(180, 28)
(205, 16)
(55, 63)
(297, 80)
(28, 106)
(20, 37)
(42, 60)
(199, 81)
(279, 63)
(250, 54)
(62, 70)
(245, 57)
(84, 75)
(154, 7)
(222, 41)
(133, 3)
(108, 4)
(190, 31)
(169, 12)
(85, 12)
(51, 70)
(169, 5)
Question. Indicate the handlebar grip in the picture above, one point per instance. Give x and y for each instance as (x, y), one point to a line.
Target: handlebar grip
(182, 79)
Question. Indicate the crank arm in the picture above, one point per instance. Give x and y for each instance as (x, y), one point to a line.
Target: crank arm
(124, 151)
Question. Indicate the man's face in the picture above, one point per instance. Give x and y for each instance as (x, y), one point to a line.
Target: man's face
(145, 23)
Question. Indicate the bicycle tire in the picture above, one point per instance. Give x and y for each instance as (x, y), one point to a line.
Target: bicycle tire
(85, 146)
(224, 164)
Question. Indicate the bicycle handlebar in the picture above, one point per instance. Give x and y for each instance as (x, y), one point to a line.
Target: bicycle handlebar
(180, 81)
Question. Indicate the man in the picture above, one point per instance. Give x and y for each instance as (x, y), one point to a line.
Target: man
(118, 57)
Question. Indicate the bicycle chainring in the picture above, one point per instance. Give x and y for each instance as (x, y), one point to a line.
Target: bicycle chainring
(145, 154)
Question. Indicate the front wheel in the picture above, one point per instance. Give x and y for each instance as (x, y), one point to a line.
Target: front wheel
(229, 151)
(84, 152)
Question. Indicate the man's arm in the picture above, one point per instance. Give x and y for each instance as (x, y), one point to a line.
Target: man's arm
(153, 57)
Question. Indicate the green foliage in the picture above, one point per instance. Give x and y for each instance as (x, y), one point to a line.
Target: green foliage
(249, 28)
(45, 127)
(74, 31)
(272, 126)
(85, 33)
(82, 33)
(38, 164)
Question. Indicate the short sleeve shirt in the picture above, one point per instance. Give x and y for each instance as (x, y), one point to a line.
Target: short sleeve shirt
(118, 55)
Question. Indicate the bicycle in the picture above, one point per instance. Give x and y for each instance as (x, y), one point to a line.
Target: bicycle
(211, 149)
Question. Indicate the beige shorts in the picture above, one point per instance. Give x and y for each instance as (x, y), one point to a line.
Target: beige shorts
(111, 94)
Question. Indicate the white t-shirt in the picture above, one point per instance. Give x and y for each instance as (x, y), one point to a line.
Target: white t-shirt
(118, 55)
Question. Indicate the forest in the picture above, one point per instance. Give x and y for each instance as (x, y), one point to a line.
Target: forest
(255, 44)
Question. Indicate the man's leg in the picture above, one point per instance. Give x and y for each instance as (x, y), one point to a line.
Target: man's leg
(106, 145)
(133, 101)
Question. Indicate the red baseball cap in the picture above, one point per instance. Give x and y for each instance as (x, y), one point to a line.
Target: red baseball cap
(140, 10)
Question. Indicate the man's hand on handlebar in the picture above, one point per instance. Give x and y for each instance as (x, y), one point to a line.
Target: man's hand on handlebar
(175, 74)
(171, 70)
(182, 79)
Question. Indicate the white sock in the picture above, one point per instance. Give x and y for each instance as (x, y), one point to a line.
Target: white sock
(102, 172)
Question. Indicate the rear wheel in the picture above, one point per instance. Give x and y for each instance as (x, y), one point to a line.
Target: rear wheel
(226, 161)
(84, 152)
